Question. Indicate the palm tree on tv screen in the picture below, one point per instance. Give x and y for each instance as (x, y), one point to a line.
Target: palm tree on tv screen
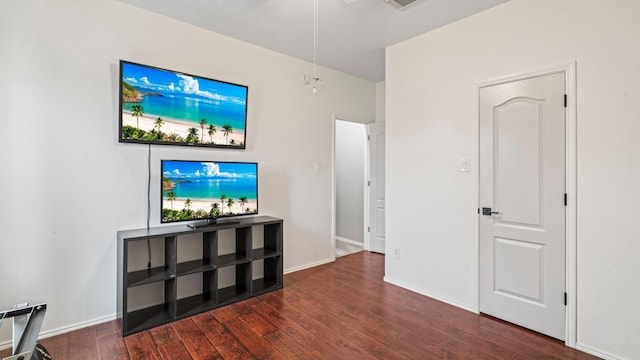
(171, 195)
(230, 203)
(227, 130)
(187, 204)
(243, 201)
(137, 111)
(212, 131)
(193, 136)
(222, 198)
(158, 123)
(203, 122)
(215, 209)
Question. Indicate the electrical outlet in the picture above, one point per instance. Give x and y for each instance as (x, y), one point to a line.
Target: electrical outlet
(396, 253)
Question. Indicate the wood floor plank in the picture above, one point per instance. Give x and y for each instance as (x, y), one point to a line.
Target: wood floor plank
(224, 314)
(258, 323)
(141, 346)
(111, 346)
(211, 327)
(226, 344)
(196, 342)
(284, 324)
(288, 325)
(254, 343)
(342, 310)
(343, 345)
(58, 345)
(290, 348)
(78, 346)
(357, 332)
(106, 329)
(174, 351)
(164, 335)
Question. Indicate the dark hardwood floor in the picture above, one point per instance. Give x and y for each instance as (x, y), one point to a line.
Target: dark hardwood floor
(342, 310)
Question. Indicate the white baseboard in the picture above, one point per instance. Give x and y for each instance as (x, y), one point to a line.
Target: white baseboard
(65, 329)
(428, 294)
(349, 241)
(308, 266)
(597, 353)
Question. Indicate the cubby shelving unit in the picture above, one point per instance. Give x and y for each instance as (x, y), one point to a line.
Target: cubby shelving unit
(255, 262)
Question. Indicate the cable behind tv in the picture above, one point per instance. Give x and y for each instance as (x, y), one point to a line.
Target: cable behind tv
(149, 201)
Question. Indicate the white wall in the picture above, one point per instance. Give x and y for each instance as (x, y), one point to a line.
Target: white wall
(431, 113)
(350, 169)
(380, 101)
(68, 185)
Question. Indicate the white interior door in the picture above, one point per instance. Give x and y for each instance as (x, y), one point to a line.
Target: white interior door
(376, 187)
(522, 199)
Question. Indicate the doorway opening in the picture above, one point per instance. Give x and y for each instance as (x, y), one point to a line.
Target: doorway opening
(350, 176)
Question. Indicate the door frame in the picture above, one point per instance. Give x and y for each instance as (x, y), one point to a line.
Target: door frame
(369, 202)
(570, 179)
(335, 117)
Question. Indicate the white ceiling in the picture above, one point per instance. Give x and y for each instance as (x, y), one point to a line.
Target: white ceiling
(352, 34)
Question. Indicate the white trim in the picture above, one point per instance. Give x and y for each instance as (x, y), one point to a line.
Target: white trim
(570, 187)
(571, 237)
(334, 211)
(597, 353)
(366, 231)
(66, 329)
(349, 241)
(476, 188)
(309, 266)
(427, 294)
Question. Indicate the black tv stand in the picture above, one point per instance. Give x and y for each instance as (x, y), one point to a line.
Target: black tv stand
(227, 261)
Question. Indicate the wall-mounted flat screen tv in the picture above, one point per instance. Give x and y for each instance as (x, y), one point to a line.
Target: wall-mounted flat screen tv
(207, 190)
(159, 106)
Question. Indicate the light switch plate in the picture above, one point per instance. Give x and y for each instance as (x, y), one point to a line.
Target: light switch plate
(465, 165)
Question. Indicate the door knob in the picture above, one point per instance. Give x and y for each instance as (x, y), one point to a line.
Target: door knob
(488, 212)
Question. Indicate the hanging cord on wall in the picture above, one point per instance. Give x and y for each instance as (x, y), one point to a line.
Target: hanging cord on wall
(316, 78)
(149, 201)
(315, 37)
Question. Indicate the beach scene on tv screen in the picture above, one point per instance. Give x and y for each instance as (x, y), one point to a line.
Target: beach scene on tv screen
(163, 106)
(198, 190)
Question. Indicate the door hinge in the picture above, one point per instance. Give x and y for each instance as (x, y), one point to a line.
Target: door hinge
(478, 210)
(368, 137)
(565, 299)
(565, 199)
(368, 228)
(368, 182)
(565, 100)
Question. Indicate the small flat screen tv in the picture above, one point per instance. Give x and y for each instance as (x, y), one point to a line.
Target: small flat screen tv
(159, 106)
(207, 190)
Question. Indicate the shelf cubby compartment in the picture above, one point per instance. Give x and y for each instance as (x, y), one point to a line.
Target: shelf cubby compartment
(234, 250)
(203, 300)
(273, 237)
(267, 275)
(148, 316)
(164, 271)
(233, 283)
(206, 259)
